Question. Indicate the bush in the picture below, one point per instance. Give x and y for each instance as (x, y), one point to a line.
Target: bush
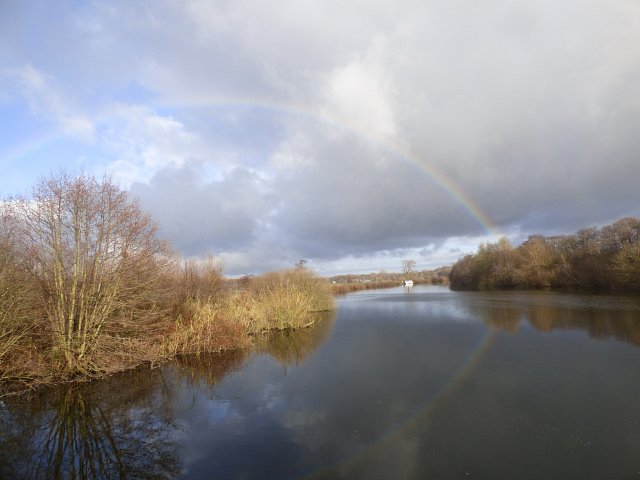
(96, 261)
(288, 298)
(275, 301)
(207, 327)
(18, 315)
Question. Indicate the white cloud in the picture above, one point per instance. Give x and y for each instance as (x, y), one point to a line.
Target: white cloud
(48, 100)
(358, 95)
(144, 142)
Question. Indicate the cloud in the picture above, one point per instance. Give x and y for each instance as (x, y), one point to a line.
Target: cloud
(144, 142)
(203, 216)
(268, 132)
(354, 197)
(47, 99)
(358, 94)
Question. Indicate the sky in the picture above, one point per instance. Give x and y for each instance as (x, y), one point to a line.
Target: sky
(350, 133)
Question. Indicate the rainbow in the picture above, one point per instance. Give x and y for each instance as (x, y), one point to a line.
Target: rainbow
(393, 147)
(457, 380)
(397, 149)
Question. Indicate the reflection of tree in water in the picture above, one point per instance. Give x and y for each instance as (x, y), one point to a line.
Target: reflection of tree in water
(507, 318)
(209, 368)
(288, 347)
(121, 428)
(292, 347)
(599, 322)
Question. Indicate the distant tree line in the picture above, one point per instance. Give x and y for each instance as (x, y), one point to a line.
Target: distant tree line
(600, 259)
(438, 276)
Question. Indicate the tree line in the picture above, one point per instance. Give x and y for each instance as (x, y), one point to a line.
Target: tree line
(603, 259)
(437, 276)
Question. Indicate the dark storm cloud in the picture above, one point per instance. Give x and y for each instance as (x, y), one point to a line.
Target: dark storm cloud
(205, 216)
(353, 197)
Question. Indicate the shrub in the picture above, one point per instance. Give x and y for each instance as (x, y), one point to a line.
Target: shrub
(96, 260)
(18, 317)
(289, 297)
(208, 327)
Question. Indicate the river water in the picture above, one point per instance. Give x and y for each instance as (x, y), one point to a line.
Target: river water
(420, 383)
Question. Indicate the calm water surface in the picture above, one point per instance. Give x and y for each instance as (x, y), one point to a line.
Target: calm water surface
(424, 383)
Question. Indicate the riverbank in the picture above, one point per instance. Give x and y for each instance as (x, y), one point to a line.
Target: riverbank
(205, 314)
(344, 288)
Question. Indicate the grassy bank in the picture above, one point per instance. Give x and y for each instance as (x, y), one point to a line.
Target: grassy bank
(349, 287)
(206, 313)
(282, 300)
(344, 288)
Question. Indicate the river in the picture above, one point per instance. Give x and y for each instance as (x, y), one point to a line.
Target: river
(396, 383)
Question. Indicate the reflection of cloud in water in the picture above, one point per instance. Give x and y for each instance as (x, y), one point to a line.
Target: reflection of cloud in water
(302, 418)
(435, 305)
(210, 416)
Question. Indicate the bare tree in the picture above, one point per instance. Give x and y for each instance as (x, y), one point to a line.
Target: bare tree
(95, 257)
(408, 266)
(16, 300)
(197, 279)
